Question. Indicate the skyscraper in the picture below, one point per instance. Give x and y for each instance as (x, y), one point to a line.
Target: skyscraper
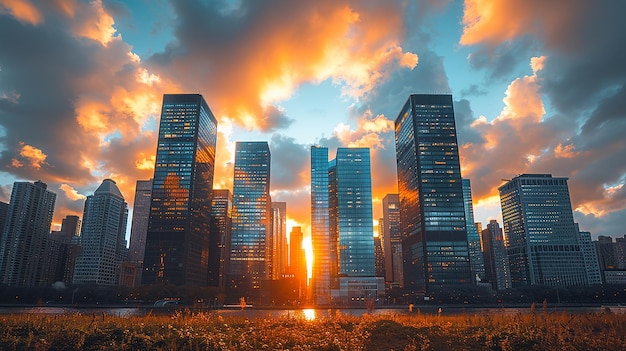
(432, 214)
(278, 250)
(379, 257)
(342, 224)
(102, 236)
(63, 249)
(23, 243)
(351, 218)
(221, 214)
(543, 245)
(392, 240)
(477, 264)
(322, 239)
(496, 260)
(139, 227)
(590, 256)
(297, 258)
(177, 241)
(249, 251)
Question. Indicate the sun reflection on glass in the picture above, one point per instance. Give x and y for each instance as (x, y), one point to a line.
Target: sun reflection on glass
(309, 314)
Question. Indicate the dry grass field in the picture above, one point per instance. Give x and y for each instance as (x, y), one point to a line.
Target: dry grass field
(185, 330)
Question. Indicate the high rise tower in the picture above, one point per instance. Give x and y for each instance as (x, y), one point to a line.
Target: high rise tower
(543, 245)
(497, 270)
(23, 243)
(477, 263)
(102, 236)
(249, 251)
(139, 227)
(221, 214)
(351, 218)
(434, 234)
(278, 250)
(324, 265)
(392, 240)
(177, 242)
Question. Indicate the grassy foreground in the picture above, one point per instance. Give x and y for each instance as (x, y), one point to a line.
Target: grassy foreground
(210, 331)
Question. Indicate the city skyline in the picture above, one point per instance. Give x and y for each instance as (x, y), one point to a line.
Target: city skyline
(540, 93)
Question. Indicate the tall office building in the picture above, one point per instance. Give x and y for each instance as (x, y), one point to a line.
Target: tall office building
(432, 214)
(496, 260)
(392, 240)
(297, 260)
(102, 236)
(477, 263)
(178, 237)
(278, 239)
(139, 227)
(324, 265)
(221, 221)
(251, 227)
(342, 231)
(379, 257)
(63, 249)
(590, 256)
(543, 245)
(25, 236)
(351, 218)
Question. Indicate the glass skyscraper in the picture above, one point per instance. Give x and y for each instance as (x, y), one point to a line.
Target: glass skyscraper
(177, 242)
(350, 201)
(543, 245)
(434, 235)
(323, 241)
(139, 226)
(251, 226)
(477, 263)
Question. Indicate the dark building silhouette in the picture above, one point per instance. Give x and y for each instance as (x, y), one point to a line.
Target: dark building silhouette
(63, 249)
(392, 240)
(496, 260)
(139, 230)
(379, 257)
(178, 237)
(432, 213)
(221, 210)
(25, 237)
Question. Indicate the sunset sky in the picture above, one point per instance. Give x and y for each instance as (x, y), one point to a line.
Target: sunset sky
(539, 87)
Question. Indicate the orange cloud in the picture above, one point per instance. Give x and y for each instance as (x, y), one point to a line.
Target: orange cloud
(93, 22)
(71, 193)
(23, 10)
(36, 156)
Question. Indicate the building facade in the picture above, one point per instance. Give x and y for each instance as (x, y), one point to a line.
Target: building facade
(590, 256)
(392, 240)
(221, 214)
(477, 263)
(139, 227)
(543, 245)
(251, 223)
(497, 270)
(324, 265)
(63, 250)
(102, 237)
(178, 236)
(278, 245)
(432, 213)
(25, 236)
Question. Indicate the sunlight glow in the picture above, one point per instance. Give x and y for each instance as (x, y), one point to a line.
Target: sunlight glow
(309, 314)
(307, 245)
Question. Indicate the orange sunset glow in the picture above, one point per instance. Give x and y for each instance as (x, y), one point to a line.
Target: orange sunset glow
(538, 87)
